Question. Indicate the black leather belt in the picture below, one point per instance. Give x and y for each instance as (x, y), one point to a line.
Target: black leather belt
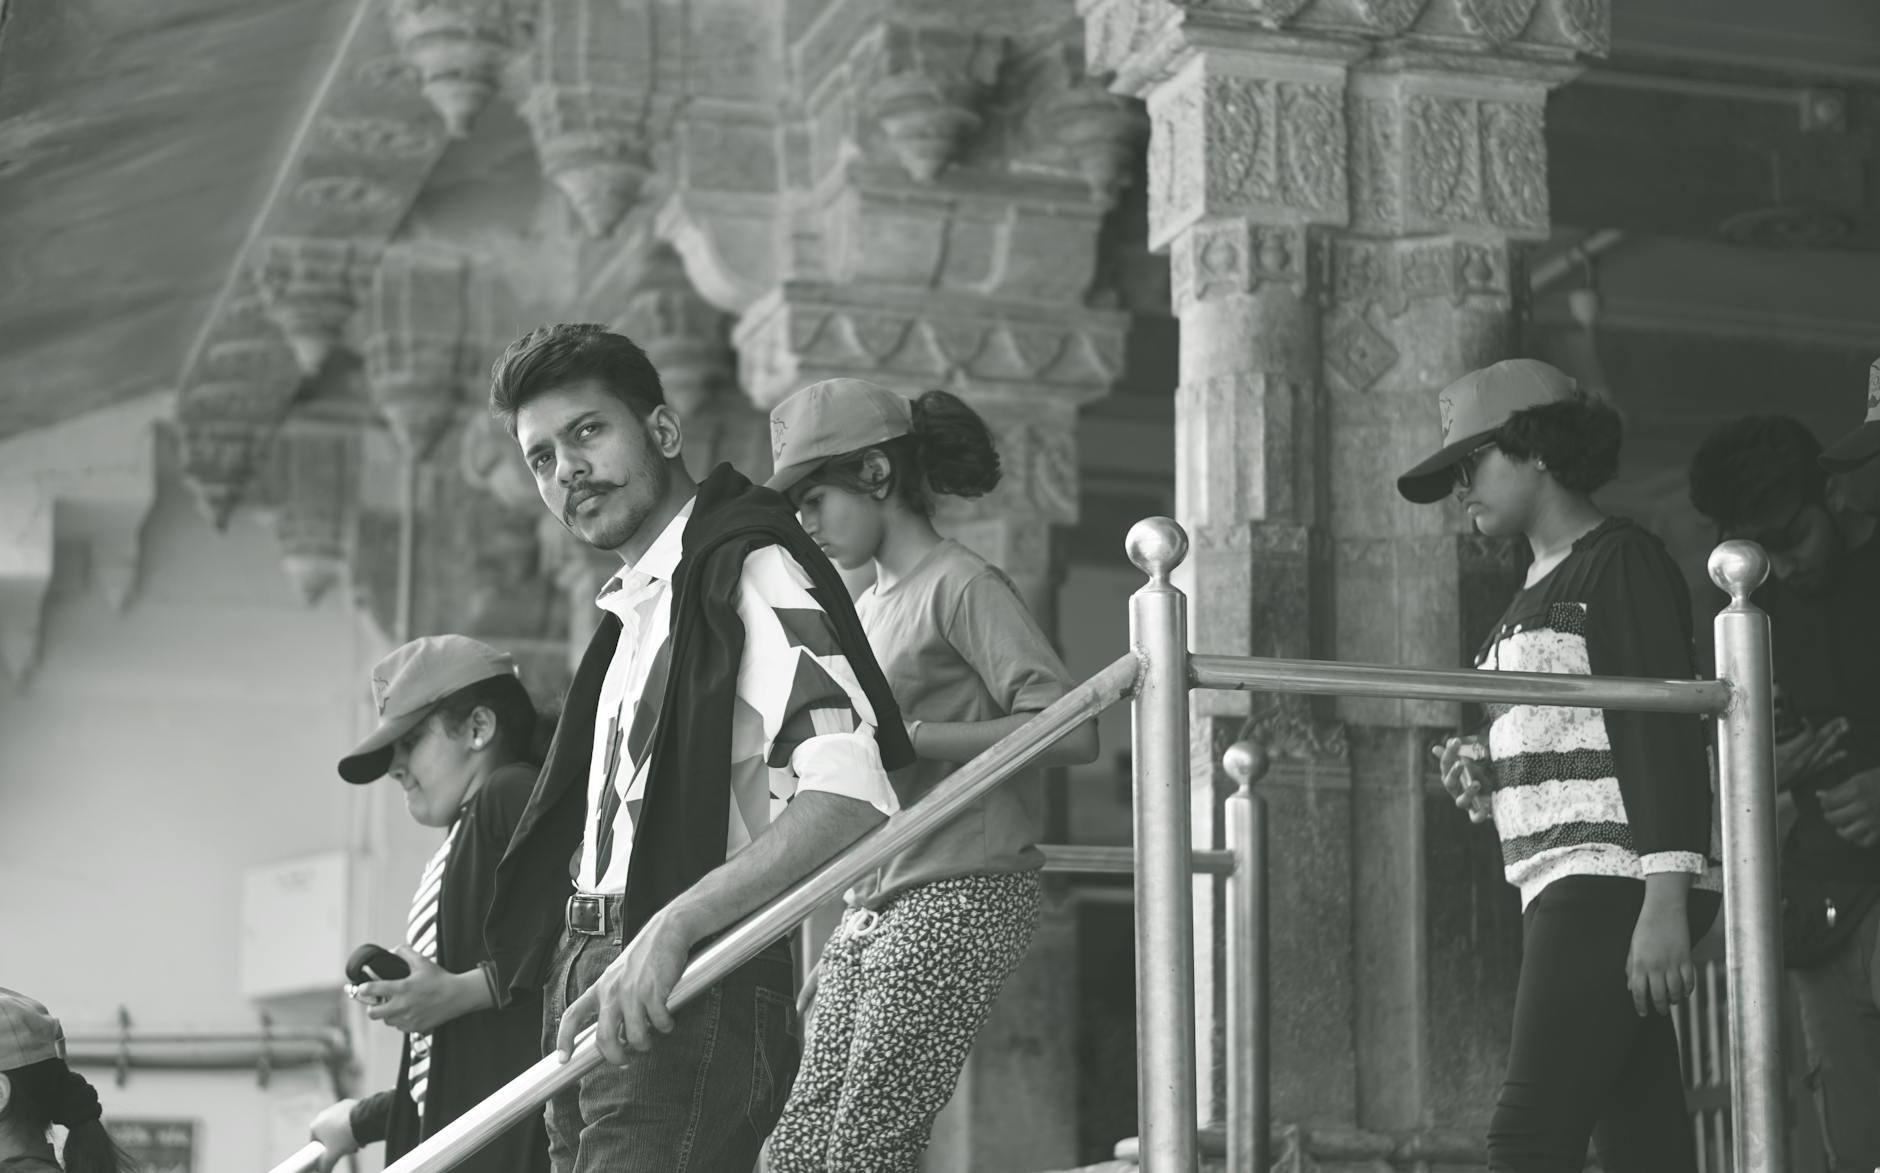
(595, 916)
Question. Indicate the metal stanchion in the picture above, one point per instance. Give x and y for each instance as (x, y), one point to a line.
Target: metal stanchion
(1249, 1037)
(1165, 959)
(1753, 946)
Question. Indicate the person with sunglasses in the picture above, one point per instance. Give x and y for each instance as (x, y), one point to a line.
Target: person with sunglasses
(1604, 816)
(1763, 478)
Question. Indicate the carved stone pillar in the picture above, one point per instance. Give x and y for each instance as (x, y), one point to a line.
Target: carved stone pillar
(1342, 224)
(310, 288)
(241, 386)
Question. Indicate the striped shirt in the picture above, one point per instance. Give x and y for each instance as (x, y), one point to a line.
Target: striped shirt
(1593, 792)
(801, 721)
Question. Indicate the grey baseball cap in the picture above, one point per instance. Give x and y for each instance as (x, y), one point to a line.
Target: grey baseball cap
(406, 686)
(829, 419)
(1473, 409)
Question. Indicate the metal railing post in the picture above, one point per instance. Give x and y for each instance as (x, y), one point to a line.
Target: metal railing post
(1753, 946)
(1165, 957)
(1249, 995)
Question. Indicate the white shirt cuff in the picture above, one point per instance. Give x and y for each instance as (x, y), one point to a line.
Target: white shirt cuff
(848, 764)
(1672, 861)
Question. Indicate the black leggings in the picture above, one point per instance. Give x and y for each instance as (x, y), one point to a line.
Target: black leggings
(1583, 1064)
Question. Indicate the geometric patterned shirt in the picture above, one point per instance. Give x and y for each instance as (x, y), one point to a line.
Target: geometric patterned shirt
(800, 721)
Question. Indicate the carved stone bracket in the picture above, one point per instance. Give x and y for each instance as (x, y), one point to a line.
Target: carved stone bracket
(459, 49)
(241, 388)
(310, 287)
(590, 105)
(1238, 256)
(307, 495)
(417, 360)
(925, 89)
(802, 333)
(686, 337)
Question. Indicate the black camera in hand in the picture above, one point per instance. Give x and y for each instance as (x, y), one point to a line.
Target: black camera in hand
(371, 963)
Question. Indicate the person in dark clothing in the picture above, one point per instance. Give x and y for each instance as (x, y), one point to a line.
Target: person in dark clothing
(458, 732)
(1603, 815)
(726, 733)
(1860, 446)
(38, 1090)
(1761, 478)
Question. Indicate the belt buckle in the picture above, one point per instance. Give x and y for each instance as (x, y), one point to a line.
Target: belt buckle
(591, 907)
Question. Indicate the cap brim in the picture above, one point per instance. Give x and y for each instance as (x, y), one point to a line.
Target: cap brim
(371, 758)
(790, 476)
(1434, 479)
(1854, 449)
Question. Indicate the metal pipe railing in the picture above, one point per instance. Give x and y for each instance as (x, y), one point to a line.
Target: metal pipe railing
(1077, 859)
(1249, 993)
(530, 1090)
(1165, 956)
(1751, 900)
(1323, 678)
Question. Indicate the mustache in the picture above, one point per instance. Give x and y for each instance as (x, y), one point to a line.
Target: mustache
(581, 493)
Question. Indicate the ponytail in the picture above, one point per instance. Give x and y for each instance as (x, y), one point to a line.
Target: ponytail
(954, 446)
(48, 1093)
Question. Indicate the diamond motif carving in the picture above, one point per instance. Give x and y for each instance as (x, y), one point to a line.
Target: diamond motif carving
(1357, 353)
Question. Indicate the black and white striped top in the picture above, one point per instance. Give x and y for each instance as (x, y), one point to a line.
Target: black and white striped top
(1590, 791)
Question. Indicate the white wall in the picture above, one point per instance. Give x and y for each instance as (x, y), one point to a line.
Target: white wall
(155, 755)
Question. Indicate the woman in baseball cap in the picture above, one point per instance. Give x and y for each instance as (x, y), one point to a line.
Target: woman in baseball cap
(458, 732)
(37, 1091)
(1604, 816)
(927, 941)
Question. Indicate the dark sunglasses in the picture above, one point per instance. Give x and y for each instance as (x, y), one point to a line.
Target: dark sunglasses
(1464, 470)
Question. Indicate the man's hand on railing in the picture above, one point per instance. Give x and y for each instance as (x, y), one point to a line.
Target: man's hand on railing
(630, 997)
(1467, 774)
(333, 1129)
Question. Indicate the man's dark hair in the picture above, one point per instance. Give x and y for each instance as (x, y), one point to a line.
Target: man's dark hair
(555, 356)
(1756, 466)
(1578, 438)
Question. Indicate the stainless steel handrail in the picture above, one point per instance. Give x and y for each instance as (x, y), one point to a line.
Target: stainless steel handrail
(1324, 678)
(1079, 859)
(530, 1090)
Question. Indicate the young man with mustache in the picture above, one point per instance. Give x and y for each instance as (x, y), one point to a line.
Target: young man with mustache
(726, 733)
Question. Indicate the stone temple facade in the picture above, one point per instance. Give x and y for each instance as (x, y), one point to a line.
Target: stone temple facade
(1250, 237)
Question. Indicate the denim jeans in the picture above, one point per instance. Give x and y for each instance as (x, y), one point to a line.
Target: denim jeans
(706, 1095)
(1840, 1002)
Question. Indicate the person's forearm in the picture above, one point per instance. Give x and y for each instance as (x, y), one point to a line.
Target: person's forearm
(962, 741)
(810, 831)
(1667, 891)
(470, 992)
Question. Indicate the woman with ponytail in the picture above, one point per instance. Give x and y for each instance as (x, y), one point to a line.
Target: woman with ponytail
(459, 734)
(908, 978)
(37, 1091)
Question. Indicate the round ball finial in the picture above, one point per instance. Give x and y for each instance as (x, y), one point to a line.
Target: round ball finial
(1738, 568)
(1157, 546)
(1246, 763)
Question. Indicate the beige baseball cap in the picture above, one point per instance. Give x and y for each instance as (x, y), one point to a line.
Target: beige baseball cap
(1473, 409)
(829, 419)
(1863, 443)
(28, 1032)
(408, 683)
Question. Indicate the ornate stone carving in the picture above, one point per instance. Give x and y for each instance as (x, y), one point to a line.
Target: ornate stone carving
(1496, 21)
(1100, 132)
(588, 109)
(784, 340)
(1222, 257)
(308, 485)
(417, 360)
(347, 195)
(687, 339)
(926, 89)
(458, 48)
(1477, 163)
(1585, 24)
(377, 138)
(1357, 352)
(1290, 732)
(308, 288)
(1116, 30)
(1390, 274)
(240, 391)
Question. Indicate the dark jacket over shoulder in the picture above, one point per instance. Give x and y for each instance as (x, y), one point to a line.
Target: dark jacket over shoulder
(475, 1055)
(680, 834)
